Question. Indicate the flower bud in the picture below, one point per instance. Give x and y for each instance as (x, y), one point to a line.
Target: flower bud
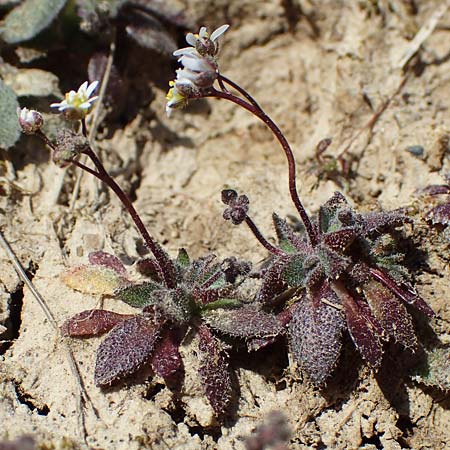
(30, 120)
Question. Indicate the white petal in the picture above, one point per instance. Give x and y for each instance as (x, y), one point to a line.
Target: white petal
(184, 51)
(70, 97)
(216, 33)
(203, 32)
(92, 87)
(196, 64)
(83, 87)
(191, 39)
(58, 105)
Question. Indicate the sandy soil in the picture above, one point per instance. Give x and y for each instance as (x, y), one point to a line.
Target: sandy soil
(323, 75)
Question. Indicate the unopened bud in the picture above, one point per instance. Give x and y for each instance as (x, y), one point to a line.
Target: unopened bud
(30, 120)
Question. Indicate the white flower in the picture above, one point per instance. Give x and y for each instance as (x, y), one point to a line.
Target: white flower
(77, 105)
(175, 98)
(200, 68)
(202, 42)
(30, 120)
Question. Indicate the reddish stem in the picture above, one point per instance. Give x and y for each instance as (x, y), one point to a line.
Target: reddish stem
(167, 269)
(254, 108)
(264, 242)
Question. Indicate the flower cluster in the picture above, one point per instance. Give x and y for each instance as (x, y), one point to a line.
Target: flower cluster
(76, 105)
(199, 70)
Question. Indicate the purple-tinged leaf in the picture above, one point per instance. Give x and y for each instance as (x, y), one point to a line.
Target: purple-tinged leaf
(273, 283)
(104, 259)
(92, 322)
(255, 344)
(232, 268)
(436, 189)
(126, 348)
(93, 280)
(329, 212)
(391, 314)
(206, 296)
(289, 241)
(149, 268)
(332, 262)
(214, 371)
(341, 239)
(380, 222)
(244, 322)
(166, 360)
(364, 329)
(440, 214)
(315, 333)
(402, 291)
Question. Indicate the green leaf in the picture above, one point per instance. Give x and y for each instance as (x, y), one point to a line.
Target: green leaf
(9, 129)
(28, 19)
(138, 295)
(298, 270)
(435, 370)
(225, 303)
(183, 258)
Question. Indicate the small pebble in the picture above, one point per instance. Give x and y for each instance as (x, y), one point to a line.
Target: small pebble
(416, 150)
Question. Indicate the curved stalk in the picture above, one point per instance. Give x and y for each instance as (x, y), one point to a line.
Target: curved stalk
(167, 270)
(254, 108)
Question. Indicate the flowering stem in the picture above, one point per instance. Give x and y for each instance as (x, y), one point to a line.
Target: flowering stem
(254, 108)
(166, 267)
(242, 91)
(263, 241)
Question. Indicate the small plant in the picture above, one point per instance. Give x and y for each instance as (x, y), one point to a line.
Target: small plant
(342, 266)
(440, 214)
(180, 296)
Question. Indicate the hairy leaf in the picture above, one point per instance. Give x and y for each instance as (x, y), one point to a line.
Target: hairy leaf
(289, 241)
(245, 322)
(380, 222)
(435, 371)
(333, 263)
(273, 282)
(341, 239)
(391, 314)
(166, 360)
(126, 348)
(440, 214)
(436, 189)
(92, 322)
(93, 280)
(183, 259)
(299, 268)
(315, 334)
(364, 329)
(329, 219)
(403, 291)
(149, 268)
(139, 295)
(214, 371)
(104, 259)
(29, 19)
